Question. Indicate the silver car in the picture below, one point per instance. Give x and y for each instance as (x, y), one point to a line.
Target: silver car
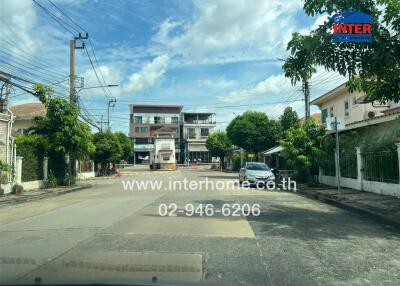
(256, 173)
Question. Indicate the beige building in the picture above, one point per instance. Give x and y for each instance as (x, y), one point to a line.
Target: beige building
(342, 104)
(24, 114)
(197, 126)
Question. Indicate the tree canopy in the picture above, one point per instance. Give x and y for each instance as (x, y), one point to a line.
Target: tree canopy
(61, 127)
(108, 147)
(302, 148)
(371, 67)
(126, 145)
(253, 131)
(289, 119)
(219, 145)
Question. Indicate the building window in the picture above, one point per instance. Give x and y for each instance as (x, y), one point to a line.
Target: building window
(174, 119)
(191, 133)
(159, 119)
(22, 130)
(346, 108)
(324, 115)
(141, 129)
(138, 119)
(204, 132)
(331, 113)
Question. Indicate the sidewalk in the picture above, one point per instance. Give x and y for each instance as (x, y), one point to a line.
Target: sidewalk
(383, 207)
(33, 195)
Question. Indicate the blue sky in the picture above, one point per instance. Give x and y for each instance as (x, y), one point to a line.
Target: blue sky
(219, 56)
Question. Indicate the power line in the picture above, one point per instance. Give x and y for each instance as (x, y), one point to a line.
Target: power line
(61, 22)
(66, 16)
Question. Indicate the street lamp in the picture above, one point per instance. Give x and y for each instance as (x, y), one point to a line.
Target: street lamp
(99, 86)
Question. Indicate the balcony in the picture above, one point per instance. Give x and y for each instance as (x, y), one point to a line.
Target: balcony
(143, 147)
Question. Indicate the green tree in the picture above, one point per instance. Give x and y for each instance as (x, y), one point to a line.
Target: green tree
(253, 131)
(126, 145)
(108, 147)
(219, 145)
(371, 67)
(302, 149)
(63, 131)
(289, 119)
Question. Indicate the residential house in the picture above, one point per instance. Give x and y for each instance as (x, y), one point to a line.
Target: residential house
(191, 130)
(145, 120)
(370, 171)
(197, 126)
(24, 115)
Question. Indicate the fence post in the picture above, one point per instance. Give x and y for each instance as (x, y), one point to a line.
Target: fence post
(359, 169)
(18, 170)
(398, 154)
(45, 167)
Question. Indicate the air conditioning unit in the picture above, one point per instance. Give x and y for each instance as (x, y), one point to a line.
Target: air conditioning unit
(370, 114)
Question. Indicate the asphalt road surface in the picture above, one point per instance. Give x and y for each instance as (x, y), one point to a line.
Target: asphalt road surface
(111, 235)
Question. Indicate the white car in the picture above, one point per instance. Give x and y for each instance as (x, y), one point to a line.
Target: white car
(256, 173)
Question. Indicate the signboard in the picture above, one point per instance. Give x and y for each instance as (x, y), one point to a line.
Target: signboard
(351, 26)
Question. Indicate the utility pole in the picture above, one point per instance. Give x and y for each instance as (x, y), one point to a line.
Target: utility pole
(110, 104)
(72, 62)
(337, 154)
(72, 90)
(306, 89)
(101, 122)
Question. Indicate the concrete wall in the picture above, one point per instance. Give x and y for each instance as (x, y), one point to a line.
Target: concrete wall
(32, 185)
(85, 175)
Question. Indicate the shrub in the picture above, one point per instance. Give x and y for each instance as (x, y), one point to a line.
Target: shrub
(31, 148)
(51, 181)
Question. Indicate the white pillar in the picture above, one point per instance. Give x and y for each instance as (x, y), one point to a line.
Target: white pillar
(18, 170)
(45, 167)
(398, 154)
(359, 169)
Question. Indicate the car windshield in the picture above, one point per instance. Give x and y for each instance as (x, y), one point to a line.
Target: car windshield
(200, 142)
(257, 167)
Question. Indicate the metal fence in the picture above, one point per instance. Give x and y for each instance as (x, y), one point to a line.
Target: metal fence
(381, 166)
(348, 165)
(327, 165)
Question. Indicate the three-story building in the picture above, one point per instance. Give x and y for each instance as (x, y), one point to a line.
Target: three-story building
(145, 120)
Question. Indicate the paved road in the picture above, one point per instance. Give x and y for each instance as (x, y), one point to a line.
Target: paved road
(106, 234)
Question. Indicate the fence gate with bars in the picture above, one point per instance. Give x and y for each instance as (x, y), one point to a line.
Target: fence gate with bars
(377, 172)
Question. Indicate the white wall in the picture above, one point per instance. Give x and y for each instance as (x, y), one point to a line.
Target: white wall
(356, 111)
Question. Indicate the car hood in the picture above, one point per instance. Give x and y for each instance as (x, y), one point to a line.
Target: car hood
(259, 173)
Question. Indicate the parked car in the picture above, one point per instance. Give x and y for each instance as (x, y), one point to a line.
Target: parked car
(256, 173)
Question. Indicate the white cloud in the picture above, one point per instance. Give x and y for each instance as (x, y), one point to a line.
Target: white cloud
(17, 19)
(148, 76)
(231, 29)
(271, 85)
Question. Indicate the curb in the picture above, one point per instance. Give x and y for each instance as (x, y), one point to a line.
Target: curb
(350, 207)
(44, 195)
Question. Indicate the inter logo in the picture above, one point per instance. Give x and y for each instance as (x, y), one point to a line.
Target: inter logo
(351, 26)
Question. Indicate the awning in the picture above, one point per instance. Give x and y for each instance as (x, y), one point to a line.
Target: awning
(273, 150)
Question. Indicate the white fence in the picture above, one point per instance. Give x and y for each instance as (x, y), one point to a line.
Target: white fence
(361, 183)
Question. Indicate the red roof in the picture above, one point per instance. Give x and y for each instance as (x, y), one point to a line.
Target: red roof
(155, 105)
(380, 116)
(28, 110)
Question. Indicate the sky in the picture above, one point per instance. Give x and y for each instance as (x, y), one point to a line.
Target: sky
(211, 55)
